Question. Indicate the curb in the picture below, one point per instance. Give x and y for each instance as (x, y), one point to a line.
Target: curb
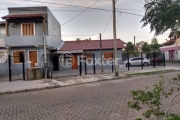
(58, 86)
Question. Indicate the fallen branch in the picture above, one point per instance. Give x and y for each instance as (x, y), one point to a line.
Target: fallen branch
(170, 105)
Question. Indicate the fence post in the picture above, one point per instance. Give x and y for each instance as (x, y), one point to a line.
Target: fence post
(141, 61)
(164, 59)
(128, 59)
(80, 71)
(112, 63)
(22, 56)
(9, 58)
(85, 66)
(153, 60)
(94, 63)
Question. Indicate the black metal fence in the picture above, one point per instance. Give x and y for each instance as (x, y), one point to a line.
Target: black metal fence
(152, 59)
(78, 64)
(9, 70)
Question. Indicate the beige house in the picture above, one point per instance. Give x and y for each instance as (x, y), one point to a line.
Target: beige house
(171, 48)
(139, 45)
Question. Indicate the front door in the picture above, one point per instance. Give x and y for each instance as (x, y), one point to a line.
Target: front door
(33, 58)
(55, 63)
(75, 62)
(171, 55)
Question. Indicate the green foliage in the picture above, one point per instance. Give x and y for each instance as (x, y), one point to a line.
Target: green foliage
(153, 47)
(174, 117)
(152, 99)
(162, 15)
(129, 47)
(146, 48)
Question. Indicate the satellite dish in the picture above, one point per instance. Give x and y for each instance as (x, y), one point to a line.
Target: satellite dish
(13, 24)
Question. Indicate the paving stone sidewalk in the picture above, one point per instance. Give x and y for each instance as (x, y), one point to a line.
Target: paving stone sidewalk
(25, 86)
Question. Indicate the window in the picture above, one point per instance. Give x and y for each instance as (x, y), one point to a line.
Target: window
(28, 29)
(17, 56)
(108, 55)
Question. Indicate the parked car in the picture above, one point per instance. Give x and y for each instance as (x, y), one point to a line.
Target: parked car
(137, 61)
(158, 59)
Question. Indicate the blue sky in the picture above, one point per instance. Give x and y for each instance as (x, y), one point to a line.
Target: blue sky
(92, 22)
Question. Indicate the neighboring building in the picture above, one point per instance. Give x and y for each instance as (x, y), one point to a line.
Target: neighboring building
(3, 50)
(26, 29)
(139, 46)
(88, 48)
(2, 33)
(170, 47)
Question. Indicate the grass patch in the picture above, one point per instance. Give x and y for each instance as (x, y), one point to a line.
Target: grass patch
(149, 73)
(173, 61)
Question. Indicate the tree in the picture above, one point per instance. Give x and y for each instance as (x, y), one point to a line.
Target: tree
(146, 48)
(152, 99)
(129, 47)
(154, 45)
(162, 15)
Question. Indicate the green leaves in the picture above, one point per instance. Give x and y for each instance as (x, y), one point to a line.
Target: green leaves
(151, 99)
(162, 15)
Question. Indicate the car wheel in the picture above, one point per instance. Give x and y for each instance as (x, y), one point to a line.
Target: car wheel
(145, 64)
(127, 64)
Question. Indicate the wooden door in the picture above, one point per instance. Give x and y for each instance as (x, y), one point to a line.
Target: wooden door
(75, 62)
(33, 58)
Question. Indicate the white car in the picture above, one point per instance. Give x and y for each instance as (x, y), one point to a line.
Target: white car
(137, 61)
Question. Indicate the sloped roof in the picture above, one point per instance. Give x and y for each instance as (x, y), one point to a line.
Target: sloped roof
(91, 45)
(18, 16)
(170, 42)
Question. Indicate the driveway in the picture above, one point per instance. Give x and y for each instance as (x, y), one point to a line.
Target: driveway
(94, 101)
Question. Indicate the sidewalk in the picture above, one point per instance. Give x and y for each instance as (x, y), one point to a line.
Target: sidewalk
(25, 86)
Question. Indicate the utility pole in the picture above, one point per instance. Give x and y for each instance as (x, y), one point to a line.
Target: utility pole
(114, 36)
(101, 53)
(176, 51)
(134, 42)
(45, 58)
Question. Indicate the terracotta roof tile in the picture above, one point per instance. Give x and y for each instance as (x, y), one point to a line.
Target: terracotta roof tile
(91, 45)
(170, 42)
(23, 16)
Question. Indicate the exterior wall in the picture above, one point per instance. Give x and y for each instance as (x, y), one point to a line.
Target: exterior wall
(98, 56)
(15, 38)
(178, 40)
(53, 37)
(54, 31)
(166, 55)
(2, 36)
(17, 68)
(16, 31)
(27, 10)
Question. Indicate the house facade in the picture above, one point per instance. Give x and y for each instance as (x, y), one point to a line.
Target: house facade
(87, 48)
(28, 31)
(171, 48)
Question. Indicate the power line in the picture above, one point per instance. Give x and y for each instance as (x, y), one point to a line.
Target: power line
(75, 16)
(80, 13)
(130, 13)
(107, 24)
(66, 5)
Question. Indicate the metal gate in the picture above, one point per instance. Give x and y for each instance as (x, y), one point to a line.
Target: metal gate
(16, 67)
